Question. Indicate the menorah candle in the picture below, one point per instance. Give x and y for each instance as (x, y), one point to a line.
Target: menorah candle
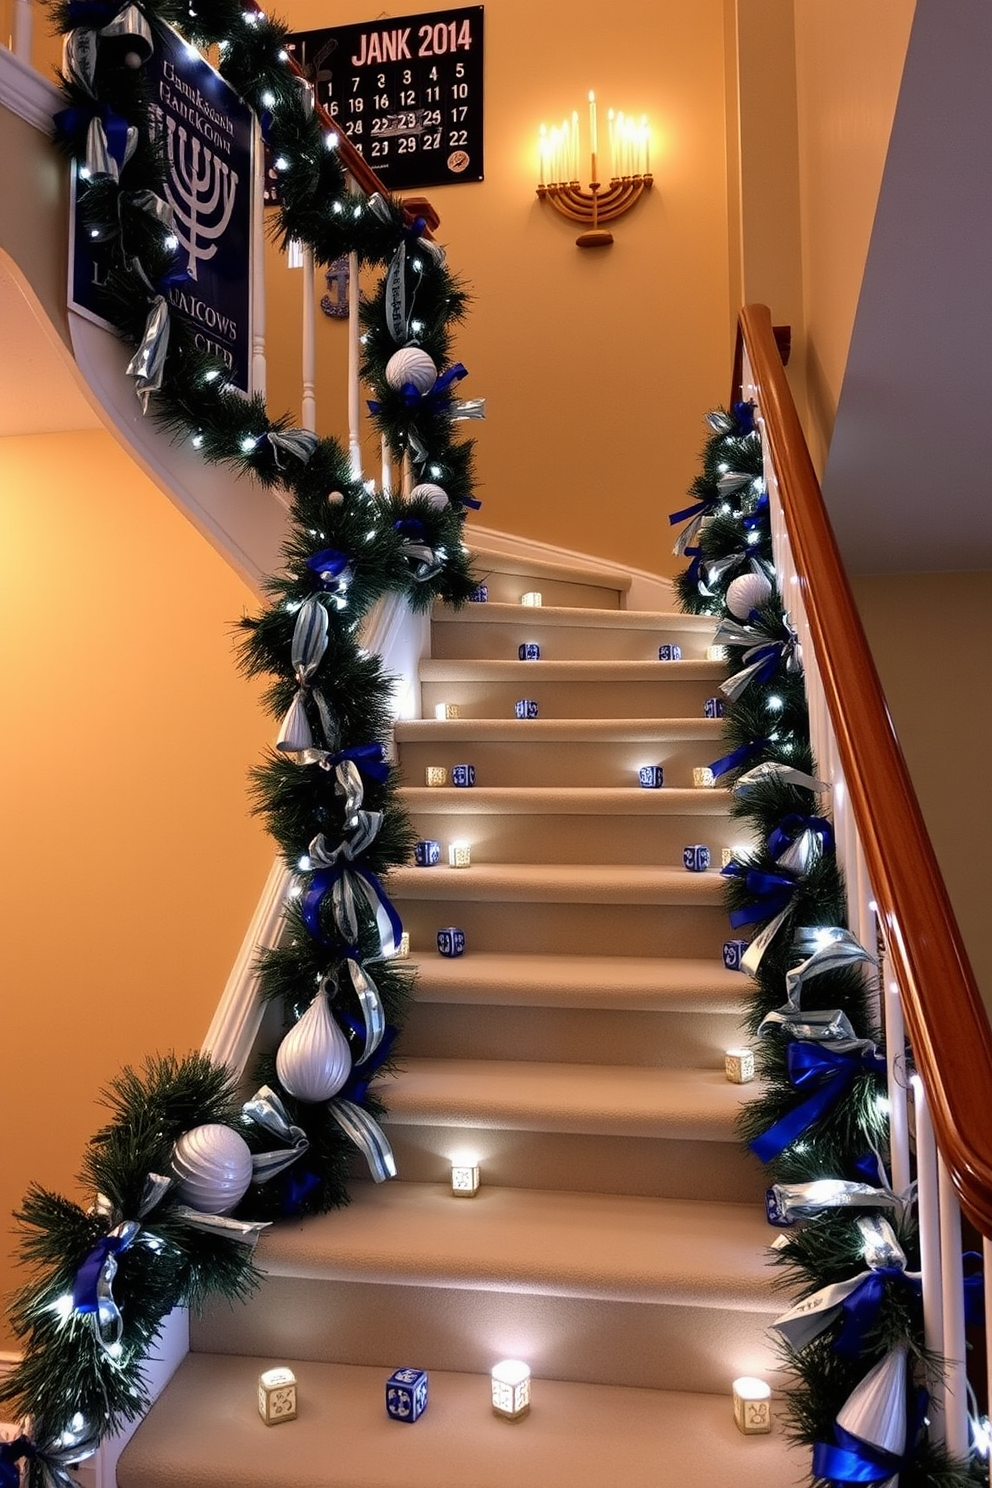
(752, 1405)
(277, 1395)
(532, 598)
(445, 710)
(702, 776)
(669, 653)
(436, 775)
(511, 1389)
(738, 1066)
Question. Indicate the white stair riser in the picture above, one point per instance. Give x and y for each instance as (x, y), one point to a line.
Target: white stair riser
(665, 1347)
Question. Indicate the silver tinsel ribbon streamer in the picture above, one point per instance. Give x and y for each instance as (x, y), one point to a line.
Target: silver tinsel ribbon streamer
(307, 652)
(300, 443)
(220, 1224)
(731, 633)
(267, 1111)
(792, 1201)
(424, 561)
(807, 1320)
(147, 366)
(98, 159)
(733, 481)
(773, 770)
(468, 408)
(367, 1135)
(831, 949)
(373, 1012)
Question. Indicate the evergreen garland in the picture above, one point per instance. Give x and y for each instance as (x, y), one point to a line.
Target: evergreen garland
(727, 534)
(346, 546)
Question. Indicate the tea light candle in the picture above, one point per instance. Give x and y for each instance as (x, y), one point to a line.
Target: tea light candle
(436, 775)
(277, 1395)
(702, 777)
(403, 949)
(459, 854)
(465, 1175)
(511, 1389)
(738, 1066)
(531, 598)
(445, 710)
(752, 1405)
(716, 653)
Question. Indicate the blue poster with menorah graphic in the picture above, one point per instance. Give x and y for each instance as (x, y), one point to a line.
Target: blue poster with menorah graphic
(206, 135)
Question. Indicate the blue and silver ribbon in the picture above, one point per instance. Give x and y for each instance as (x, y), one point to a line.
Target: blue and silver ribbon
(875, 1434)
(93, 1288)
(349, 765)
(77, 1442)
(306, 654)
(81, 46)
(775, 770)
(826, 1072)
(772, 895)
(785, 1203)
(346, 881)
(762, 654)
(830, 949)
(425, 561)
(436, 400)
(300, 443)
(370, 1002)
(798, 841)
(694, 515)
(266, 1110)
(367, 1135)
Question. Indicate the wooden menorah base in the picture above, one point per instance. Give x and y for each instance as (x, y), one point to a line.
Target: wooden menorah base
(595, 205)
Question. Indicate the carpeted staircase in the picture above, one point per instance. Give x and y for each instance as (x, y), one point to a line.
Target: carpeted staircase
(617, 1243)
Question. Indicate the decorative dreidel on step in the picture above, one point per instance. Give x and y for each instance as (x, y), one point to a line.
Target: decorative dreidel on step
(529, 651)
(480, 595)
(451, 941)
(651, 777)
(526, 708)
(713, 707)
(277, 1395)
(406, 1394)
(427, 853)
(511, 1389)
(738, 1066)
(463, 776)
(696, 857)
(752, 1406)
(734, 952)
(669, 653)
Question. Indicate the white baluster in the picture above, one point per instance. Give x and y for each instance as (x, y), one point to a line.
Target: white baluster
(987, 1274)
(406, 477)
(952, 1278)
(258, 267)
(387, 468)
(354, 403)
(309, 418)
(895, 1061)
(928, 1208)
(23, 27)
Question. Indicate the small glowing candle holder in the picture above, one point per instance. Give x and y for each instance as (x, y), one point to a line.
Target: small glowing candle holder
(436, 775)
(403, 949)
(738, 1066)
(511, 1389)
(532, 599)
(444, 711)
(703, 777)
(716, 653)
(465, 1175)
(726, 856)
(459, 854)
(752, 1406)
(277, 1396)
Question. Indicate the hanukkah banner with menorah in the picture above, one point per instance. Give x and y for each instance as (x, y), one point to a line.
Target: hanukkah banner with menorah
(206, 134)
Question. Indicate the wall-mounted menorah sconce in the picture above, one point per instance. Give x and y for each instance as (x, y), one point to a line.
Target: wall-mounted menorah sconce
(630, 173)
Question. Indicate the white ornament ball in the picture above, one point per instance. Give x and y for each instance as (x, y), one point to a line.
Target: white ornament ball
(314, 1060)
(335, 498)
(427, 491)
(412, 365)
(132, 60)
(747, 593)
(212, 1168)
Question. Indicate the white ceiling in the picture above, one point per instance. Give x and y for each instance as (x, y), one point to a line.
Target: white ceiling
(38, 394)
(907, 481)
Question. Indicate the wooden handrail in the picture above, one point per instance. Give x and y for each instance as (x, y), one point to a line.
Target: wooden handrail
(945, 1016)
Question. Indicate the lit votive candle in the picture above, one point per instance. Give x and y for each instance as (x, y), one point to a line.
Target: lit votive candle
(738, 1065)
(277, 1396)
(465, 1175)
(436, 775)
(403, 949)
(532, 598)
(459, 854)
(702, 777)
(445, 710)
(716, 653)
(511, 1389)
(752, 1405)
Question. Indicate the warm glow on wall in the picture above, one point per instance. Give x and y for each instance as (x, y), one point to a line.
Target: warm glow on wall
(560, 167)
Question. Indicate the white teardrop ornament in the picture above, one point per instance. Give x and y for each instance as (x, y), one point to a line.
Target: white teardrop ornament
(212, 1168)
(747, 593)
(314, 1060)
(412, 365)
(427, 491)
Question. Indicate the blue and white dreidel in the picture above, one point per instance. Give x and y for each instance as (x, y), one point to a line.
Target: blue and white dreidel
(529, 651)
(450, 941)
(734, 952)
(463, 775)
(696, 858)
(669, 653)
(526, 708)
(713, 707)
(406, 1394)
(426, 853)
(479, 595)
(651, 777)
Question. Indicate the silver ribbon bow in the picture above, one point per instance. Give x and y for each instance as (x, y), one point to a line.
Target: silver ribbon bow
(720, 422)
(81, 47)
(367, 1135)
(307, 652)
(98, 159)
(830, 949)
(731, 633)
(267, 1111)
(219, 1224)
(300, 443)
(77, 1442)
(468, 408)
(773, 770)
(147, 366)
(373, 1012)
(424, 561)
(108, 1324)
(732, 481)
(397, 310)
(794, 1201)
(347, 885)
(807, 1320)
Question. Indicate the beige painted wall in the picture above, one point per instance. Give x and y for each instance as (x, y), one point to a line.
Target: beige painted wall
(849, 60)
(131, 866)
(925, 631)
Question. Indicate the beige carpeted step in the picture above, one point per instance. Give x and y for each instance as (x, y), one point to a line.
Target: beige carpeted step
(571, 689)
(588, 586)
(576, 1436)
(574, 824)
(566, 633)
(560, 752)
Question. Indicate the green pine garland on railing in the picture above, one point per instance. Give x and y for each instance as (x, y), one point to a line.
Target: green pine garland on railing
(105, 1278)
(726, 534)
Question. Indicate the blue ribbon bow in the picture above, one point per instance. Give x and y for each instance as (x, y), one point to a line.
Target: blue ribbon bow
(72, 123)
(84, 1289)
(829, 1075)
(435, 400)
(738, 757)
(10, 1454)
(324, 881)
(356, 1088)
(705, 505)
(792, 827)
(328, 565)
(859, 1310)
(744, 416)
(771, 891)
(369, 759)
(851, 1460)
